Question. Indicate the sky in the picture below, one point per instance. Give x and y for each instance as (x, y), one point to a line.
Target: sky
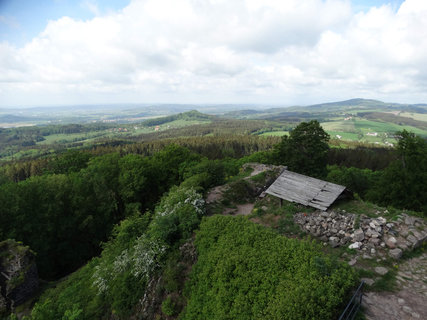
(293, 52)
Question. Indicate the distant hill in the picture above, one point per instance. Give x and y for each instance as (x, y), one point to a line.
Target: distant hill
(10, 118)
(187, 116)
(319, 111)
(364, 104)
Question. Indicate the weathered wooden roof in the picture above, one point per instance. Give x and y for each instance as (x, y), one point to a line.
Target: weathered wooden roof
(306, 190)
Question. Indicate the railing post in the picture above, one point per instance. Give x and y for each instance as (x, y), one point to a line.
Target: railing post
(351, 311)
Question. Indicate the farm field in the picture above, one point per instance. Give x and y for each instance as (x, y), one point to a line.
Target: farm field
(274, 133)
(359, 129)
(415, 116)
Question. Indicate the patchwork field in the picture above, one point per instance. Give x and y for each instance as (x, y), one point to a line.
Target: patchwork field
(359, 129)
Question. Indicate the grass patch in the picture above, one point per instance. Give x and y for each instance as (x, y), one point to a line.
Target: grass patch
(386, 283)
(260, 177)
(275, 133)
(238, 192)
(413, 253)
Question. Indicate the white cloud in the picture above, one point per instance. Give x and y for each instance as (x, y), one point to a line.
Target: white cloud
(223, 51)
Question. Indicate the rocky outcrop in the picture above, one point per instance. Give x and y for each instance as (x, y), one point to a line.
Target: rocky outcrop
(374, 236)
(18, 275)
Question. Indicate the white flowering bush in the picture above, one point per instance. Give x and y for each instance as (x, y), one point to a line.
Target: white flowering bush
(177, 215)
(140, 261)
(179, 198)
(146, 256)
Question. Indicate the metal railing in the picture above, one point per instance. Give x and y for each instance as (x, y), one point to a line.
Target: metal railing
(353, 306)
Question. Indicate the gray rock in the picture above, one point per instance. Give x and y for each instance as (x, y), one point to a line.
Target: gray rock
(410, 220)
(381, 270)
(404, 232)
(368, 281)
(395, 253)
(18, 267)
(358, 235)
(415, 242)
(334, 242)
(420, 236)
(356, 245)
(381, 221)
(391, 242)
(401, 301)
(324, 214)
(375, 241)
(407, 309)
(352, 262)
(372, 233)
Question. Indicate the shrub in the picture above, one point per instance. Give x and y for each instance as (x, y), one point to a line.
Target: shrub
(245, 271)
(168, 307)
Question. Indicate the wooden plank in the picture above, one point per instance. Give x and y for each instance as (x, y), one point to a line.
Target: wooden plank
(306, 190)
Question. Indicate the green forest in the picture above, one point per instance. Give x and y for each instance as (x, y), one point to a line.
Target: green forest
(120, 227)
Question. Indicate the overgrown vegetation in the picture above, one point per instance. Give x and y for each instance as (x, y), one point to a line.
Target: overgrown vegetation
(245, 271)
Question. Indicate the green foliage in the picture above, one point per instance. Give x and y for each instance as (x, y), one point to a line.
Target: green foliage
(168, 307)
(403, 183)
(214, 168)
(177, 215)
(70, 161)
(64, 217)
(305, 150)
(245, 271)
(356, 180)
(238, 192)
(114, 282)
(362, 157)
(190, 115)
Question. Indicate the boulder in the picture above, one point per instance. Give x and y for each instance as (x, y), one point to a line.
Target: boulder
(410, 220)
(381, 270)
(375, 241)
(395, 253)
(381, 221)
(414, 241)
(18, 274)
(352, 262)
(358, 235)
(334, 242)
(391, 242)
(368, 281)
(356, 245)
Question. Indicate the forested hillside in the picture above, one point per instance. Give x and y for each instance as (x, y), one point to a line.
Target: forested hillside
(121, 230)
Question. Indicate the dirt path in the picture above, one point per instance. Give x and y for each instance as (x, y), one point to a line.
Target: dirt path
(244, 209)
(215, 195)
(409, 302)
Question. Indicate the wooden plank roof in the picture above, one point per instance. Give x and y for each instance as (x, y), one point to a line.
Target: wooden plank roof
(306, 190)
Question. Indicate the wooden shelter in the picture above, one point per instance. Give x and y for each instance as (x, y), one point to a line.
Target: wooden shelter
(306, 190)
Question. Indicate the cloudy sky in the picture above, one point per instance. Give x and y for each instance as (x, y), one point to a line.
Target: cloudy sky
(287, 52)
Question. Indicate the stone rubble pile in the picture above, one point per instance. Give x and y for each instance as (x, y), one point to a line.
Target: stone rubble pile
(374, 236)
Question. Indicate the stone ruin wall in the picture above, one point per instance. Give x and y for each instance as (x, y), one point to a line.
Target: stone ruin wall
(371, 236)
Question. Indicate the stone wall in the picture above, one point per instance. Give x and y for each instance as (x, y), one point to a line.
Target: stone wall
(373, 236)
